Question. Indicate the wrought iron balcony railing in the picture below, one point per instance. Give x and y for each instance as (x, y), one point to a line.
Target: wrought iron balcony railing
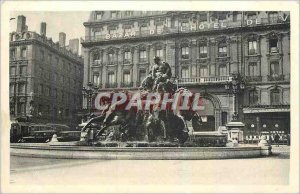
(203, 55)
(253, 78)
(199, 80)
(111, 85)
(126, 84)
(276, 77)
(268, 106)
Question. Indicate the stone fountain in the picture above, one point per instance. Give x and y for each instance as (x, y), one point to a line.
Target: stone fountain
(157, 126)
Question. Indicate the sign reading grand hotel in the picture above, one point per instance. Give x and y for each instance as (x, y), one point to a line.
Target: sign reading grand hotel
(194, 27)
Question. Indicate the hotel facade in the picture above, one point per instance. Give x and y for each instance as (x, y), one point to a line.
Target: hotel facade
(46, 78)
(238, 61)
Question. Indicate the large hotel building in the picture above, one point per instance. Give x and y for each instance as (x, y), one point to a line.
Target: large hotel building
(46, 77)
(239, 61)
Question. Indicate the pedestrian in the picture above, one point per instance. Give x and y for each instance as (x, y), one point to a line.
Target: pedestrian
(276, 139)
(288, 139)
(91, 137)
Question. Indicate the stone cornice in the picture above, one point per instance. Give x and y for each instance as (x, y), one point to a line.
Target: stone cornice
(35, 41)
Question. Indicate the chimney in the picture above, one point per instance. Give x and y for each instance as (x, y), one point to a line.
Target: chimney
(43, 28)
(62, 39)
(21, 23)
(74, 45)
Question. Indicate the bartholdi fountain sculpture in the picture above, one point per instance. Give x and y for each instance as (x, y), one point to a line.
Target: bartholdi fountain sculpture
(147, 128)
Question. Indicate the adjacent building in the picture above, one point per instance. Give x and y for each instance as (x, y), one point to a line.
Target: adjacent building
(46, 78)
(239, 61)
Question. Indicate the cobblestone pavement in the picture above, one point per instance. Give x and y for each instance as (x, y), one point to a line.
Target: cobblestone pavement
(267, 170)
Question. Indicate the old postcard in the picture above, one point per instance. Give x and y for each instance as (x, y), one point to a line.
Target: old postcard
(150, 97)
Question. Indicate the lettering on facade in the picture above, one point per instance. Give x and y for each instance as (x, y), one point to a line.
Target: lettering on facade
(193, 27)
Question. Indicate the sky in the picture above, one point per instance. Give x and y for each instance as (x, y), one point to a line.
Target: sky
(69, 22)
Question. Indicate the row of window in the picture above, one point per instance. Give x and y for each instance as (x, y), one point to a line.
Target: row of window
(127, 56)
(22, 70)
(21, 89)
(47, 91)
(185, 73)
(203, 17)
(275, 97)
(55, 77)
(111, 77)
(57, 113)
(118, 14)
(64, 65)
(185, 52)
(44, 110)
(13, 53)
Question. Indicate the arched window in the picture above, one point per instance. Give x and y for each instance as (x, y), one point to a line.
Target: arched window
(23, 53)
(111, 80)
(222, 49)
(143, 55)
(142, 75)
(274, 69)
(127, 56)
(111, 57)
(252, 45)
(203, 49)
(96, 57)
(223, 70)
(185, 72)
(203, 71)
(185, 52)
(252, 69)
(253, 97)
(275, 97)
(159, 52)
(273, 44)
(126, 78)
(12, 54)
(96, 78)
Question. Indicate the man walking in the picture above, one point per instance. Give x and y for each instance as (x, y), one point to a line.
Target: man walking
(276, 139)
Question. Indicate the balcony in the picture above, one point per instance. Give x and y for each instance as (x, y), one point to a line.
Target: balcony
(222, 54)
(126, 84)
(253, 78)
(204, 80)
(97, 62)
(275, 77)
(185, 56)
(252, 52)
(111, 85)
(143, 60)
(259, 108)
(203, 55)
(138, 83)
(274, 50)
(127, 61)
(111, 63)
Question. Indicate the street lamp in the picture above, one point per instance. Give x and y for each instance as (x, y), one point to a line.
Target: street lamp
(88, 93)
(235, 86)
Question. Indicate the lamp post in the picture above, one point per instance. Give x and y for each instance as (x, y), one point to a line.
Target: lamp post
(235, 86)
(88, 94)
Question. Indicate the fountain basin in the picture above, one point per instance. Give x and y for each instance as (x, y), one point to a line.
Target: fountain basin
(69, 151)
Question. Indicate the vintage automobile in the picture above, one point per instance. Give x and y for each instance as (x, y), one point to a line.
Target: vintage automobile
(66, 136)
(42, 136)
(18, 131)
(36, 132)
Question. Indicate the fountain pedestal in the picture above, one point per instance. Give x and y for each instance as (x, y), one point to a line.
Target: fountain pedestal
(235, 131)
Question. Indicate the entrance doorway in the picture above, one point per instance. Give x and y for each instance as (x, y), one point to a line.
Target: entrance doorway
(207, 115)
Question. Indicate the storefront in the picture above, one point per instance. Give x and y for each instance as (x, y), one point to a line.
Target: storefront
(271, 122)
